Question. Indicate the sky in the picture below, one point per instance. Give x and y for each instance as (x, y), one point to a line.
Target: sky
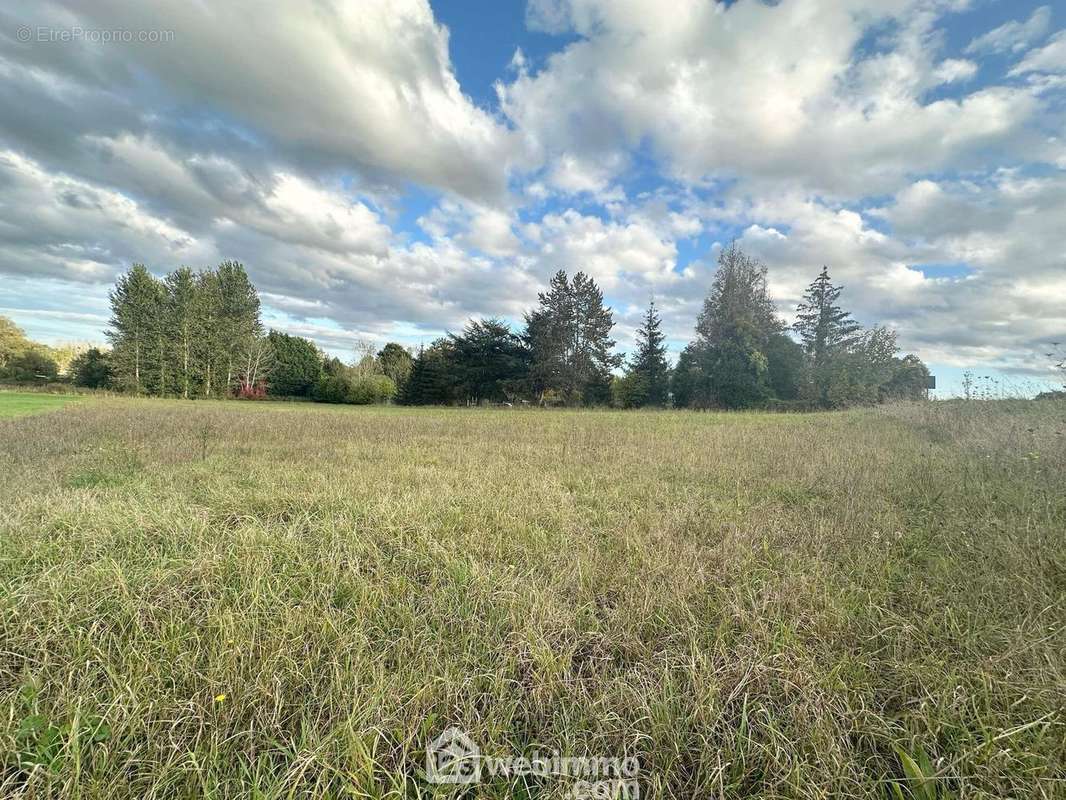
(388, 169)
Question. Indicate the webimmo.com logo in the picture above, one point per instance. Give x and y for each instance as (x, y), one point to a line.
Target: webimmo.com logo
(455, 758)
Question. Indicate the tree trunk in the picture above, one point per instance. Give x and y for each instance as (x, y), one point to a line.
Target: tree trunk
(185, 367)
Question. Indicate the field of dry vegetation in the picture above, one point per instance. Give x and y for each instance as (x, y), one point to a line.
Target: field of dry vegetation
(283, 600)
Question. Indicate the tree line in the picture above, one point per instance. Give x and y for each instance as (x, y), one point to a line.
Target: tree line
(200, 335)
(743, 357)
(743, 354)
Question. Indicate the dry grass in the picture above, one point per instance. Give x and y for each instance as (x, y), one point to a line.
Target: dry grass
(822, 606)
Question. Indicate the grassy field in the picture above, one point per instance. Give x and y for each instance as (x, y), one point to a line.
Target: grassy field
(15, 404)
(241, 600)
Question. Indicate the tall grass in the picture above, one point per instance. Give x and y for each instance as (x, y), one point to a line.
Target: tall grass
(229, 600)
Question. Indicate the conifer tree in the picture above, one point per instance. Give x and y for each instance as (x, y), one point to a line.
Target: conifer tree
(431, 379)
(569, 338)
(186, 331)
(488, 361)
(822, 325)
(733, 332)
(826, 332)
(549, 337)
(648, 365)
(207, 345)
(594, 356)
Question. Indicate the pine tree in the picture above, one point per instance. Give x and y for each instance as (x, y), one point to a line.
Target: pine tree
(822, 325)
(569, 338)
(432, 377)
(649, 366)
(488, 361)
(550, 339)
(826, 331)
(594, 357)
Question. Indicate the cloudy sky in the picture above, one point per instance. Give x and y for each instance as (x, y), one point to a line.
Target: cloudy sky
(388, 168)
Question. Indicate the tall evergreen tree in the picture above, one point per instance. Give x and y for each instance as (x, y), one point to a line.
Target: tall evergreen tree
(549, 337)
(733, 331)
(489, 362)
(186, 332)
(569, 339)
(432, 379)
(297, 365)
(823, 325)
(594, 356)
(208, 345)
(826, 331)
(648, 365)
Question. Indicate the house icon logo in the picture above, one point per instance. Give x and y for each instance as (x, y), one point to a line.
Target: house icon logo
(453, 757)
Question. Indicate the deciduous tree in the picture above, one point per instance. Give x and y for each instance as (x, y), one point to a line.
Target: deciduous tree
(181, 325)
(136, 320)
(396, 362)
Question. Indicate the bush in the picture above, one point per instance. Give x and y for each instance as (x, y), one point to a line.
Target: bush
(792, 406)
(256, 391)
(356, 390)
(32, 366)
(629, 391)
(91, 369)
(372, 389)
(1053, 394)
(331, 389)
